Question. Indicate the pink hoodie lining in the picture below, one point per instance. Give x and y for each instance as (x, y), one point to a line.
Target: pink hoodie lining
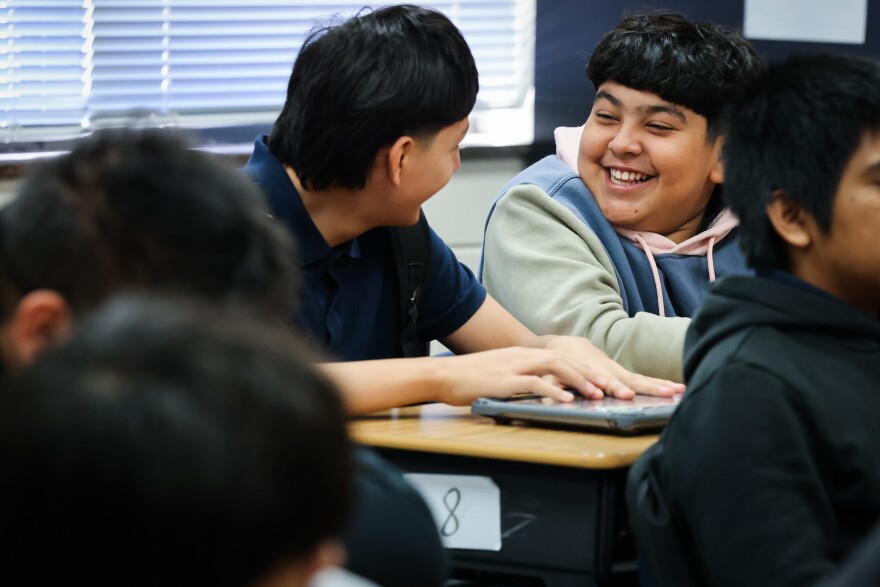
(568, 141)
(699, 244)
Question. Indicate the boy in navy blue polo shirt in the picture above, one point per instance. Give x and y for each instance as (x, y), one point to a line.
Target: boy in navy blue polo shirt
(375, 111)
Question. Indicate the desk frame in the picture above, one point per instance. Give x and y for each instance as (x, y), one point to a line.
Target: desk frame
(563, 519)
(564, 526)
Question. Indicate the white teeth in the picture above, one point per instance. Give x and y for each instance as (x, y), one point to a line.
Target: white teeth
(627, 176)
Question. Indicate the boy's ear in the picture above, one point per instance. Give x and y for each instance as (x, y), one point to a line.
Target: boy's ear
(716, 173)
(398, 159)
(41, 318)
(790, 221)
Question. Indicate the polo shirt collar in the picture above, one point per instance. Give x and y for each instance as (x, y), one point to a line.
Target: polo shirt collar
(274, 179)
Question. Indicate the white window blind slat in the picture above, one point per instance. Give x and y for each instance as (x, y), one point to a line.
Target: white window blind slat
(286, 45)
(119, 62)
(42, 74)
(71, 66)
(123, 76)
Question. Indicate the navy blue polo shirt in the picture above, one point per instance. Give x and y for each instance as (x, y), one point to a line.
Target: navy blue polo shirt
(349, 303)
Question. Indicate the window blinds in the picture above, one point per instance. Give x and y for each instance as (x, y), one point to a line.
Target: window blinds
(72, 66)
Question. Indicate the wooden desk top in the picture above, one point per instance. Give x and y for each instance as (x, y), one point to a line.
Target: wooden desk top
(438, 428)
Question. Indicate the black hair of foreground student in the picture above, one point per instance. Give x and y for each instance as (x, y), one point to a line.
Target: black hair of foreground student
(139, 208)
(170, 444)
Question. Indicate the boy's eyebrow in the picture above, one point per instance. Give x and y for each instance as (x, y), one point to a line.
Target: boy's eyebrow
(603, 94)
(665, 108)
(647, 109)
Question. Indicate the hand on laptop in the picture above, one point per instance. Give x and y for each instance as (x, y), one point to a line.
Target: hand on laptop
(607, 374)
(510, 371)
(563, 362)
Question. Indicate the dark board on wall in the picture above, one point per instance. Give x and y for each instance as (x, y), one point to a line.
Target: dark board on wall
(567, 31)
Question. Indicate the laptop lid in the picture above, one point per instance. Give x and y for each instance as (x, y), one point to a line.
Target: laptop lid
(642, 414)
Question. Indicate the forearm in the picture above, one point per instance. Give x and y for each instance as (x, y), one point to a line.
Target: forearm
(373, 386)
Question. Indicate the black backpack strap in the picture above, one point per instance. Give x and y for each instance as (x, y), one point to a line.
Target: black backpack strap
(412, 248)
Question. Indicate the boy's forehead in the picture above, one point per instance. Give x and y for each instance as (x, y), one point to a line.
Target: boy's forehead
(644, 101)
(453, 132)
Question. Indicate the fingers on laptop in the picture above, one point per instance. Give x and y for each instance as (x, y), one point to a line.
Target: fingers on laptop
(633, 383)
(548, 373)
(607, 374)
(515, 370)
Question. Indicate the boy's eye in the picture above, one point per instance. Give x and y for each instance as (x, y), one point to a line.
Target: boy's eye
(604, 116)
(659, 127)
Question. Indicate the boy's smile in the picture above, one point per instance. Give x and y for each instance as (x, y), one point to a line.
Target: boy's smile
(627, 178)
(648, 162)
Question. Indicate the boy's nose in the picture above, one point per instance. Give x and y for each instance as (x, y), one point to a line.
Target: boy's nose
(625, 142)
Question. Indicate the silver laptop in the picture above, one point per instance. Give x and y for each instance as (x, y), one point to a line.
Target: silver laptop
(643, 414)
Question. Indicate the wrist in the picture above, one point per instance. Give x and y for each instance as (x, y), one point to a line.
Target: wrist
(437, 377)
(539, 342)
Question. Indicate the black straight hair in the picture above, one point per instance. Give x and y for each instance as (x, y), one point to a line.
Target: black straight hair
(359, 86)
(792, 133)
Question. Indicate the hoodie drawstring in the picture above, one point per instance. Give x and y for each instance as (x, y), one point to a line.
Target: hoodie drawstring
(711, 260)
(661, 310)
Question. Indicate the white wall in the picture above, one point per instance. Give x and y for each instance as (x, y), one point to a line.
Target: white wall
(7, 189)
(458, 212)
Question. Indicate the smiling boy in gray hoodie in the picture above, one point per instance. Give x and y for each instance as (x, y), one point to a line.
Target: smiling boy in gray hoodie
(617, 237)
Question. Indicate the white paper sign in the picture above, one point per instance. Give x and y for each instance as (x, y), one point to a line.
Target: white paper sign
(819, 21)
(467, 509)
